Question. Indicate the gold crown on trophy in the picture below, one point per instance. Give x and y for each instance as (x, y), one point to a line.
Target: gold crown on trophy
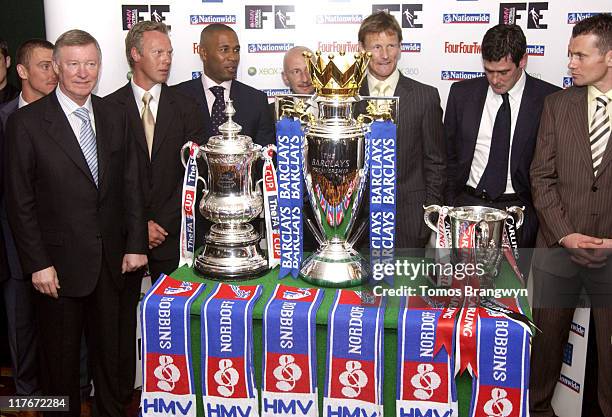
(329, 80)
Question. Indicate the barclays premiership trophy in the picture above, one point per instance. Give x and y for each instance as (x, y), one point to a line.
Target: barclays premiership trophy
(231, 248)
(476, 235)
(335, 164)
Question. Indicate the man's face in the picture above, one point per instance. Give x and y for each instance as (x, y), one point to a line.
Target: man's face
(503, 74)
(77, 68)
(296, 75)
(153, 66)
(5, 62)
(220, 54)
(386, 51)
(587, 64)
(38, 74)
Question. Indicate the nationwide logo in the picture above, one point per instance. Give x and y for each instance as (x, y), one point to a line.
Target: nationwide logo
(338, 19)
(256, 16)
(460, 75)
(575, 327)
(575, 17)
(132, 14)
(338, 46)
(535, 50)
(196, 74)
(271, 92)
(411, 47)
(512, 13)
(570, 383)
(568, 354)
(407, 14)
(462, 48)
(473, 18)
(258, 48)
(206, 19)
(567, 83)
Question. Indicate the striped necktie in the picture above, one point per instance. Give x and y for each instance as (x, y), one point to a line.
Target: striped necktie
(599, 132)
(87, 141)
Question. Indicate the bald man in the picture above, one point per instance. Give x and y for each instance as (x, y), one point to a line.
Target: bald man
(295, 73)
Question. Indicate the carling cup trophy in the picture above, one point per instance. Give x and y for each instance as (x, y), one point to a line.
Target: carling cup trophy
(476, 235)
(335, 166)
(231, 248)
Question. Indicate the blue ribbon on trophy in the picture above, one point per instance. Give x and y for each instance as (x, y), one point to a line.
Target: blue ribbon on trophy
(289, 142)
(382, 140)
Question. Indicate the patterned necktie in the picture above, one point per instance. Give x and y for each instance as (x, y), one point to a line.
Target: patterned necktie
(87, 141)
(382, 89)
(148, 122)
(217, 116)
(494, 178)
(600, 131)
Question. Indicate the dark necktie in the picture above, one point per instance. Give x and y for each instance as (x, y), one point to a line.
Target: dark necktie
(494, 178)
(217, 116)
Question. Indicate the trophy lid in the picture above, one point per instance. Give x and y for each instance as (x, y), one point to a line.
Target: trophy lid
(230, 140)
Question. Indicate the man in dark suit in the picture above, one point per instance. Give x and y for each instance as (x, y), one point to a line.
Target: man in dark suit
(421, 161)
(38, 79)
(571, 179)
(220, 54)
(488, 165)
(75, 207)
(161, 121)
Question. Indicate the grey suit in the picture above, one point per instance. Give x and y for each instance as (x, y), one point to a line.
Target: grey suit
(421, 159)
(568, 199)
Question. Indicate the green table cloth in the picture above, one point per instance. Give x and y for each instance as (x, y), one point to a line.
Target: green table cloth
(506, 279)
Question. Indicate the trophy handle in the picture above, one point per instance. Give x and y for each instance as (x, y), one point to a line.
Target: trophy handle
(200, 178)
(434, 208)
(519, 212)
(258, 186)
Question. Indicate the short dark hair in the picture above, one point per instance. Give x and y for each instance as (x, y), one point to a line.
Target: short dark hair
(133, 39)
(503, 40)
(599, 25)
(379, 22)
(213, 28)
(4, 48)
(24, 52)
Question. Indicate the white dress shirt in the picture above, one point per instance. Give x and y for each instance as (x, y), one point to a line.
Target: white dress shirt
(69, 107)
(485, 132)
(139, 92)
(391, 82)
(210, 97)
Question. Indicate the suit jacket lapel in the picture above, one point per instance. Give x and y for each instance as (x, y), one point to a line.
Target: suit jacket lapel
(60, 131)
(402, 89)
(101, 140)
(133, 116)
(163, 119)
(578, 124)
(472, 117)
(524, 123)
(200, 97)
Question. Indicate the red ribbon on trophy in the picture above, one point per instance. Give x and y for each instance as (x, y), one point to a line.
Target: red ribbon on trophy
(270, 194)
(188, 202)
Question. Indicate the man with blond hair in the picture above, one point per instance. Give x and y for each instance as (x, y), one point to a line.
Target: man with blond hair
(75, 207)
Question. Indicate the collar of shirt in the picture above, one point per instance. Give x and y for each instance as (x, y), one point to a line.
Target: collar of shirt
(515, 94)
(139, 92)
(210, 97)
(391, 81)
(593, 93)
(21, 103)
(69, 107)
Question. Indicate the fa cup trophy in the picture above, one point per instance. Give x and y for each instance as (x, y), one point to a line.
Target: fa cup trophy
(231, 248)
(334, 166)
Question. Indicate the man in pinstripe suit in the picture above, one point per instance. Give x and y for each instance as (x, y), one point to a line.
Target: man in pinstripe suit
(571, 178)
(421, 155)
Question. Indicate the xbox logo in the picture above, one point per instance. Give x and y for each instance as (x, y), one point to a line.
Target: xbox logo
(252, 71)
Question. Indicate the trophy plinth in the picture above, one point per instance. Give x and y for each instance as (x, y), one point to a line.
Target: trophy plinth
(231, 249)
(336, 264)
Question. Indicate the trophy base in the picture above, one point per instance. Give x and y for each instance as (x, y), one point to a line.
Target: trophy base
(335, 265)
(231, 252)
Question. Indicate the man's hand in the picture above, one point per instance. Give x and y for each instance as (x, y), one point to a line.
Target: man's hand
(157, 234)
(585, 250)
(603, 250)
(46, 281)
(132, 262)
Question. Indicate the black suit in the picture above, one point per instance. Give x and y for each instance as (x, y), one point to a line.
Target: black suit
(17, 292)
(252, 110)
(61, 219)
(462, 118)
(421, 161)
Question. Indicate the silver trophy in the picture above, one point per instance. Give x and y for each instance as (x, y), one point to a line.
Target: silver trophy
(476, 235)
(334, 166)
(231, 248)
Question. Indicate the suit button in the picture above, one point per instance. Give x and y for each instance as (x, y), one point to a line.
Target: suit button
(594, 188)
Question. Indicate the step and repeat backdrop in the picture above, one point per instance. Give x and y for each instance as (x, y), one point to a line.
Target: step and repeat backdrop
(441, 38)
